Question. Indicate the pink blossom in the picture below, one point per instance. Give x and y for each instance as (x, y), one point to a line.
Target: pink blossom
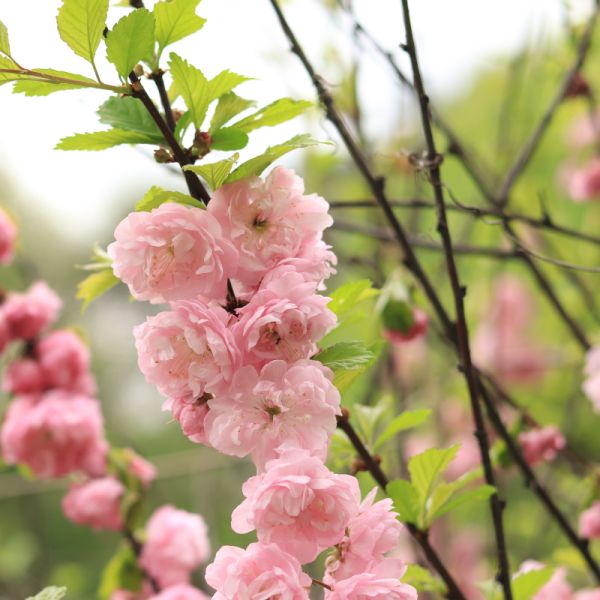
(5, 333)
(23, 376)
(374, 531)
(59, 434)
(268, 221)
(30, 313)
(96, 503)
(380, 582)
(584, 182)
(591, 386)
(541, 444)
(418, 329)
(589, 522)
(191, 415)
(188, 350)
(8, 236)
(286, 406)
(583, 131)
(65, 362)
(260, 571)
(556, 588)
(298, 504)
(587, 594)
(181, 592)
(284, 320)
(176, 544)
(139, 467)
(172, 253)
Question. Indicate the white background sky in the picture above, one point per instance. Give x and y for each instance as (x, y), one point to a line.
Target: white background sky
(81, 190)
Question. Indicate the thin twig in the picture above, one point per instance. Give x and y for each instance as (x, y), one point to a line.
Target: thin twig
(321, 583)
(137, 546)
(58, 80)
(164, 98)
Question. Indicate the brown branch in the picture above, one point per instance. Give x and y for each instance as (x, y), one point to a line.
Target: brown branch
(420, 535)
(159, 81)
(321, 583)
(137, 546)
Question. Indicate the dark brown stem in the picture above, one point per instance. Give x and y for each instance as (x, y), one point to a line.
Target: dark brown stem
(137, 546)
(164, 99)
(321, 583)
(458, 292)
(136, 3)
(421, 536)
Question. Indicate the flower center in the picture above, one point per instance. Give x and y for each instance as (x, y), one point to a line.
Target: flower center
(185, 356)
(162, 259)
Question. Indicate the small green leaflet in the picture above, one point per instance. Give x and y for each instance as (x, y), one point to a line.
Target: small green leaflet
(101, 260)
(224, 82)
(422, 580)
(80, 25)
(228, 139)
(6, 63)
(154, 200)
(4, 45)
(405, 420)
(256, 165)
(95, 285)
(40, 87)
(397, 315)
(229, 106)
(121, 571)
(192, 86)
(345, 298)
(50, 593)
(479, 494)
(101, 140)
(129, 114)
(405, 500)
(173, 92)
(528, 584)
(278, 112)
(176, 20)
(130, 40)
(345, 378)
(215, 173)
(424, 469)
(347, 355)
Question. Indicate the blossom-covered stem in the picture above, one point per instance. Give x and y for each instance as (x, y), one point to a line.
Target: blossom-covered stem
(531, 144)
(137, 546)
(421, 536)
(532, 482)
(164, 99)
(321, 583)
(197, 190)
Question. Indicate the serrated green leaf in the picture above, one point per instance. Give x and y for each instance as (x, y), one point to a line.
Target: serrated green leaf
(228, 139)
(101, 140)
(347, 296)
(256, 165)
(224, 82)
(346, 355)
(6, 63)
(192, 86)
(397, 315)
(405, 420)
(173, 92)
(422, 580)
(424, 469)
(50, 593)
(214, 174)
(229, 106)
(129, 114)
(80, 25)
(149, 202)
(369, 416)
(405, 500)
(275, 113)
(4, 45)
(528, 584)
(40, 87)
(182, 124)
(341, 449)
(439, 508)
(130, 40)
(343, 379)
(176, 20)
(121, 571)
(95, 285)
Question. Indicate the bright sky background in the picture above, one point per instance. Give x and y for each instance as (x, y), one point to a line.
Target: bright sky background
(81, 191)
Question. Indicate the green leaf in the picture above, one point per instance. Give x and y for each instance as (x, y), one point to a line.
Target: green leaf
(121, 571)
(228, 138)
(101, 140)
(6, 63)
(437, 509)
(4, 45)
(405, 500)
(277, 112)
(192, 86)
(95, 285)
(182, 124)
(150, 202)
(406, 420)
(229, 106)
(528, 584)
(423, 580)
(397, 315)
(344, 379)
(256, 165)
(346, 297)
(50, 593)
(224, 82)
(426, 467)
(80, 25)
(346, 355)
(176, 20)
(215, 173)
(129, 114)
(40, 87)
(130, 40)
(368, 417)
(100, 260)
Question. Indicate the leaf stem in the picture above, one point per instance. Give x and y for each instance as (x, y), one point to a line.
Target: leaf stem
(57, 80)
(321, 583)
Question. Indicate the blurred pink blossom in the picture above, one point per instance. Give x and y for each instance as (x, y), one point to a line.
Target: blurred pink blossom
(139, 467)
(541, 444)
(8, 237)
(180, 592)
(23, 376)
(584, 182)
(557, 587)
(176, 544)
(589, 522)
(417, 330)
(96, 503)
(591, 385)
(587, 594)
(298, 504)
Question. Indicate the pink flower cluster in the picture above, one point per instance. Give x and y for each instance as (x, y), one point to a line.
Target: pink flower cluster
(541, 444)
